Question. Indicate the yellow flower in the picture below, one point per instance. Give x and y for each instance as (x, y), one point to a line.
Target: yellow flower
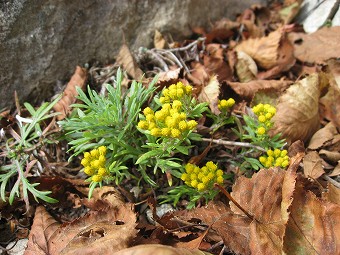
(194, 183)
(184, 176)
(164, 100)
(211, 166)
(94, 153)
(102, 171)
(143, 124)
(87, 155)
(189, 168)
(89, 170)
(176, 104)
(192, 124)
(230, 102)
(182, 125)
(262, 118)
(166, 132)
(149, 117)
(200, 186)
(85, 162)
(155, 132)
(147, 111)
(219, 172)
(219, 179)
(188, 89)
(97, 178)
(261, 131)
(175, 133)
(102, 150)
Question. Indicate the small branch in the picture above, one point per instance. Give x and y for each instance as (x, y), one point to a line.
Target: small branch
(226, 193)
(334, 182)
(232, 143)
(188, 46)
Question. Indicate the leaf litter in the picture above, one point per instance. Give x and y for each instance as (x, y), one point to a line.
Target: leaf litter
(274, 211)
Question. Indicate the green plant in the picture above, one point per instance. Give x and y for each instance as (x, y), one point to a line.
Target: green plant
(255, 131)
(169, 130)
(20, 152)
(198, 184)
(109, 121)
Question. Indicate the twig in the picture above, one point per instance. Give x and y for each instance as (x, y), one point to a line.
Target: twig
(159, 59)
(189, 45)
(334, 182)
(232, 143)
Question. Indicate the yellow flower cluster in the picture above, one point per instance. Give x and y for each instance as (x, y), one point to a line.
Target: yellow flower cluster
(264, 113)
(94, 163)
(225, 104)
(202, 178)
(170, 120)
(275, 158)
(175, 92)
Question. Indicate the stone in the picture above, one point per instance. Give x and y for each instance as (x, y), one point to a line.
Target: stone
(42, 41)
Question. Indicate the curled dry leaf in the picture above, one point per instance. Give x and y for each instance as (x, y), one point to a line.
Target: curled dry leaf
(316, 47)
(270, 51)
(246, 67)
(127, 61)
(312, 165)
(297, 116)
(313, 226)
(78, 79)
(322, 136)
(210, 93)
(248, 90)
(155, 249)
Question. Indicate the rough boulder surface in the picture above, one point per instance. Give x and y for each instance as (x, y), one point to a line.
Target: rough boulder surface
(41, 41)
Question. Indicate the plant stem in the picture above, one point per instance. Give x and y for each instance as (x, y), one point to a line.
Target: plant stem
(232, 143)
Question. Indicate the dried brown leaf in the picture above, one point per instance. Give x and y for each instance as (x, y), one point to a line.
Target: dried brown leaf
(155, 249)
(336, 170)
(104, 231)
(78, 79)
(322, 136)
(210, 93)
(248, 90)
(214, 63)
(297, 116)
(313, 226)
(158, 40)
(269, 51)
(312, 165)
(246, 67)
(316, 47)
(232, 228)
(332, 194)
(127, 61)
(330, 106)
(332, 156)
(267, 197)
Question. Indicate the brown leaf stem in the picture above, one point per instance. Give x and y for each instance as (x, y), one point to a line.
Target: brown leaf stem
(226, 193)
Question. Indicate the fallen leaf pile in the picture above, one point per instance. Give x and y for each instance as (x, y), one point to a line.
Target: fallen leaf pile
(262, 56)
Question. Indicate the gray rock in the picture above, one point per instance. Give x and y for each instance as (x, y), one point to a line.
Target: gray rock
(41, 41)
